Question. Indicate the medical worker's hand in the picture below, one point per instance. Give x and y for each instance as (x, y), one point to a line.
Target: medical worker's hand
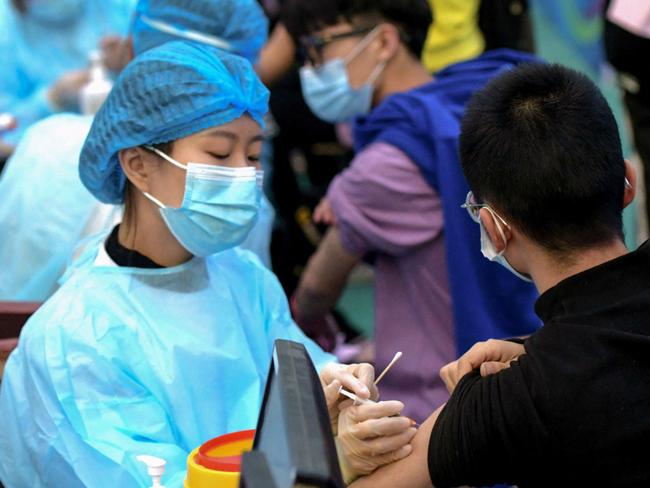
(356, 378)
(490, 357)
(117, 52)
(323, 213)
(64, 93)
(372, 435)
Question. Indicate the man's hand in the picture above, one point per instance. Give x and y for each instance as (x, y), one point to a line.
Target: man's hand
(356, 378)
(117, 51)
(372, 435)
(490, 356)
(323, 214)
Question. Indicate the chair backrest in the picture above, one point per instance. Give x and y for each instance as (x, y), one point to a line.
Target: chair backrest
(13, 316)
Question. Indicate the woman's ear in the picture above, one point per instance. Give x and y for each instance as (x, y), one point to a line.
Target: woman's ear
(137, 163)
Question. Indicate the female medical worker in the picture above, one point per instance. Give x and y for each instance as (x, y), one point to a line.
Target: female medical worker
(161, 336)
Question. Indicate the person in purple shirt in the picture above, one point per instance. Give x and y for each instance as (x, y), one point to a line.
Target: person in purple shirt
(436, 295)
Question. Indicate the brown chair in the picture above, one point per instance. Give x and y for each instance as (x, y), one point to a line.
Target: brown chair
(13, 316)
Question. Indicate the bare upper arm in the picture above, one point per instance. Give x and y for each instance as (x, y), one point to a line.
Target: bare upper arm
(410, 472)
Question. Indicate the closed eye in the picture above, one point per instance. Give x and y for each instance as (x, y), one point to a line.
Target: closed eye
(219, 156)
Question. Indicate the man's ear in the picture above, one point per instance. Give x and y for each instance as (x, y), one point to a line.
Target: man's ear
(137, 164)
(630, 184)
(498, 232)
(390, 42)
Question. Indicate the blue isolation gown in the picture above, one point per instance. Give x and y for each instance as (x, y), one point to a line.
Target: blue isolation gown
(35, 53)
(45, 210)
(124, 361)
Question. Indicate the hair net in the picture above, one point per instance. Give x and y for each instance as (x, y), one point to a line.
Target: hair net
(169, 92)
(241, 24)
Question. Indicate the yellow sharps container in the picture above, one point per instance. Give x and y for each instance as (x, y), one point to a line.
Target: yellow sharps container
(218, 461)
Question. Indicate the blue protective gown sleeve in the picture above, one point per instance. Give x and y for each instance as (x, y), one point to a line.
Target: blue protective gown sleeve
(280, 324)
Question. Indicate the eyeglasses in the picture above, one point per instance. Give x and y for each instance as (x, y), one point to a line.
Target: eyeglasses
(474, 209)
(311, 47)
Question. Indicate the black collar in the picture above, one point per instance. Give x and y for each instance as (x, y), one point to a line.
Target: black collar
(607, 283)
(127, 257)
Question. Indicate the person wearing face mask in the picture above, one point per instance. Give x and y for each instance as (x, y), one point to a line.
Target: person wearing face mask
(568, 407)
(161, 334)
(46, 208)
(44, 47)
(435, 294)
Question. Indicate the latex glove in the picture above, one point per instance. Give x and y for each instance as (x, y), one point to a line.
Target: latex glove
(490, 357)
(356, 378)
(370, 436)
(323, 213)
(64, 93)
(117, 52)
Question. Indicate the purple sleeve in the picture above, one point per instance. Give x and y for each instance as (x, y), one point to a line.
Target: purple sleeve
(382, 203)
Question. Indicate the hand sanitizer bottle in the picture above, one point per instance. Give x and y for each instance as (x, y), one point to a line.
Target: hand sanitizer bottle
(97, 89)
(155, 468)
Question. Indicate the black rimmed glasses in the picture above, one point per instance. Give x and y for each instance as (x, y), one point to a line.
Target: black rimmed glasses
(311, 47)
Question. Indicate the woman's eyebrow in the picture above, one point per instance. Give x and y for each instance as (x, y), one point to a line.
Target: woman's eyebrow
(257, 138)
(222, 133)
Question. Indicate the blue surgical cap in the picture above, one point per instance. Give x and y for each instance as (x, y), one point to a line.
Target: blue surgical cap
(167, 93)
(240, 24)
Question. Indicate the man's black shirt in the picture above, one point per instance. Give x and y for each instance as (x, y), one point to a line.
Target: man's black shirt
(575, 409)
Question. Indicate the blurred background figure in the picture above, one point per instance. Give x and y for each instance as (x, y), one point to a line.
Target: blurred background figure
(627, 45)
(572, 34)
(45, 211)
(44, 53)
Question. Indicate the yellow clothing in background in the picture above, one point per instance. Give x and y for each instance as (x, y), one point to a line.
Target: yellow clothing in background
(454, 35)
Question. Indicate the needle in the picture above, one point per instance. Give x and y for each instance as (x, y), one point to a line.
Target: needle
(387, 368)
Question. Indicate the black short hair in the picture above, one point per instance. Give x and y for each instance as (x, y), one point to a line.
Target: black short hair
(412, 17)
(540, 144)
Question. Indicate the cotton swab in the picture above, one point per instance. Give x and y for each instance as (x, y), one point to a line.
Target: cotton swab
(387, 368)
(354, 397)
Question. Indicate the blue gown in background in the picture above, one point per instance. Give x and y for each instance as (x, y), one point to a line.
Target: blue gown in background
(34, 53)
(44, 208)
(125, 361)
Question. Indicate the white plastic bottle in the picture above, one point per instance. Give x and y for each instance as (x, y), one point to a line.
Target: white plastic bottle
(97, 89)
(155, 468)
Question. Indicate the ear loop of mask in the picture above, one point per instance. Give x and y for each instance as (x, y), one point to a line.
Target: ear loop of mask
(167, 158)
(499, 229)
(358, 49)
(188, 34)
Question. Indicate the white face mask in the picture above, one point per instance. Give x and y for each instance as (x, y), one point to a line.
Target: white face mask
(490, 252)
(327, 89)
(219, 208)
